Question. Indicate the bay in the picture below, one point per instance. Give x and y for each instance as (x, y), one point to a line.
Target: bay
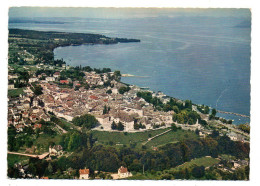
(204, 59)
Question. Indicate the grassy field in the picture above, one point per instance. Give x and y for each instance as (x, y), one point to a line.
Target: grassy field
(204, 161)
(43, 141)
(15, 92)
(69, 125)
(120, 138)
(171, 137)
(138, 138)
(13, 158)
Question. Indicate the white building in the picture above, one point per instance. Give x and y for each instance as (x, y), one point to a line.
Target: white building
(84, 173)
(50, 79)
(33, 79)
(123, 172)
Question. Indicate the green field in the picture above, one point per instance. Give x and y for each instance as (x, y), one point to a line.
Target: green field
(13, 159)
(204, 161)
(43, 141)
(171, 137)
(68, 125)
(15, 92)
(121, 138)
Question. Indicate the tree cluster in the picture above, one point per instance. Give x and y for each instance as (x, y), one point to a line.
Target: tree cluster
(123, 89)
(186, 117)
(86, 121)
(117, 126)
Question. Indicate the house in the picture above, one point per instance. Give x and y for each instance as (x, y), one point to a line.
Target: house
(10, 86)
(26, 104)
(64, 81)
(50, 79)
(56, 150)
(56, 74)
(37, 126)
(33, 79)
(12, 76)
(123, 172)
(84, 173)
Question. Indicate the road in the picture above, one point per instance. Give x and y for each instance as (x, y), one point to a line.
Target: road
(31, 155)
(149, 139)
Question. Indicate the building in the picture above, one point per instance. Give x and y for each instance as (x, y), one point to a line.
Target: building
(56, 150)
(50, 79)
(10, 86)
(84, 174)
(33, 79)
(64, 82)
(26, 104)
(123, 172)
(56, 74)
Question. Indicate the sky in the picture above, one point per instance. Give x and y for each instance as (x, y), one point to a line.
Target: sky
(122, 12)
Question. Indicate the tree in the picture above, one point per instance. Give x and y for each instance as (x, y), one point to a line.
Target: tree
(173, 127)
(197, 131)
(86, 121)
(198, 171)
(166, 176)
(186, 174)
(136, 126)
(206, 110)
(185, 150)
(188, 104)
(122, 90)
(215, 133)
(50, 168)
(113, 126)
(213, 112)
(117, 75)
(105, 110)
(109, 91)
(120, 126)
(175, 109)
(37, 90)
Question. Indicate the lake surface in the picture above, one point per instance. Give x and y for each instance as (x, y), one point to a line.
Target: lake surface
(206, 60)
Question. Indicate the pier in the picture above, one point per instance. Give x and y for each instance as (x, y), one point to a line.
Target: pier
(242, 115)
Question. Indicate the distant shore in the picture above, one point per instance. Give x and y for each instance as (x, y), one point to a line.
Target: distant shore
(131, 75)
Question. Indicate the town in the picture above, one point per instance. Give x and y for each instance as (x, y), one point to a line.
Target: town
(71, 108)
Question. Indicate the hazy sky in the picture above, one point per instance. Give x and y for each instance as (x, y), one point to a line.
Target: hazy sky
(121, 12)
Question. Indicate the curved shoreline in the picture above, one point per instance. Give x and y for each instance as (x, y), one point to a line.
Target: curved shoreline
(131, 75)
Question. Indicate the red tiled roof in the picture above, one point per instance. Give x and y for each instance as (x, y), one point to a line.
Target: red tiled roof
(56, 73)
(64, 81)
(122, 169)
(19, 126)
(105, 100)
(37, 126)
(93, 97)
(83, 171)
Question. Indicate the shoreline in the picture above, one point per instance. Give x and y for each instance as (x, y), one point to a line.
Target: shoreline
(148, 88)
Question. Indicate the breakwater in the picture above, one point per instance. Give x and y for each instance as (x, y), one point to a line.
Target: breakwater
(241, 115)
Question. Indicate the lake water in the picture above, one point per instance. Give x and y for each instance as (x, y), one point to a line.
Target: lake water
(206, 60)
